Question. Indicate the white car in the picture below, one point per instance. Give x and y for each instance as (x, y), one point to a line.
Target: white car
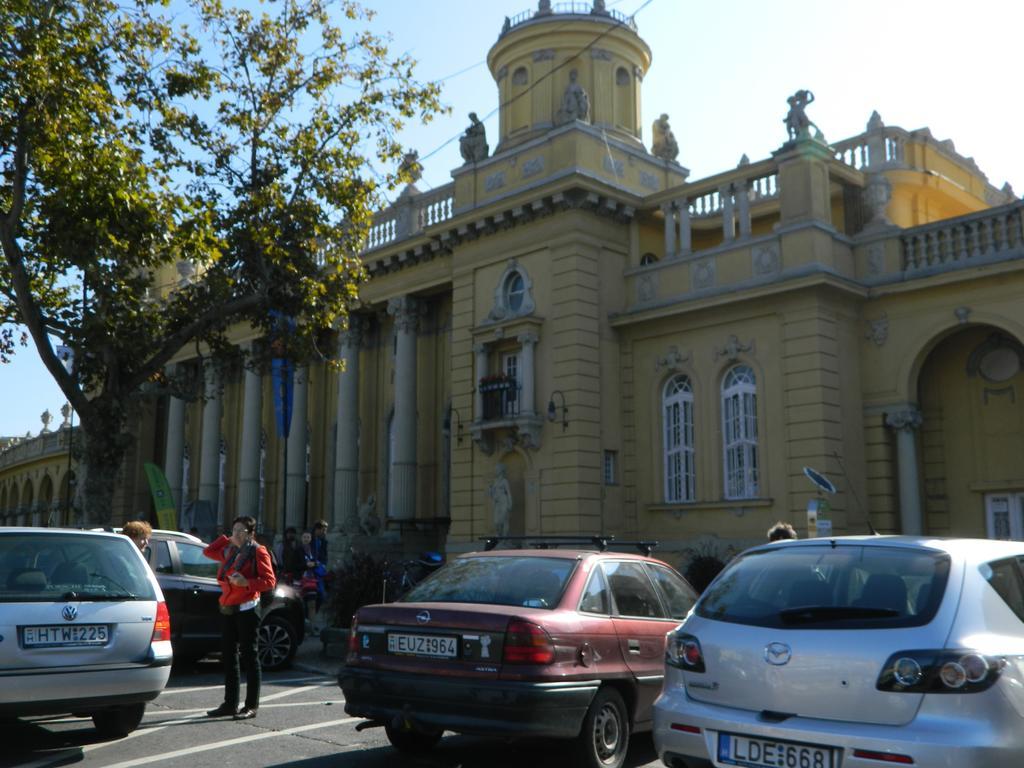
(84, 629)
(851, 652)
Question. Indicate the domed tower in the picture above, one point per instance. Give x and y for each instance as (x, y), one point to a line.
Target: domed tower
(564, 62)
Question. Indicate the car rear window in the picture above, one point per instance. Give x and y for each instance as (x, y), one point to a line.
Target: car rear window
(846, 586)
(1007, 580)
(532, 582)
(51, 567)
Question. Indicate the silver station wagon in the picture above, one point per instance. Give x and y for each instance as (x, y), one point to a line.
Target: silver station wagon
(84, 629)
(851, 652)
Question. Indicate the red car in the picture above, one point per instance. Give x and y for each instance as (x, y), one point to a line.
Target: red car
(520, 642)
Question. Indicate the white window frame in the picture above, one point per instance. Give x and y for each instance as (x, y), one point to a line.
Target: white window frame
(1012, 504)
(515, 291)
(510, 368)
(678, 456)
(740, 470)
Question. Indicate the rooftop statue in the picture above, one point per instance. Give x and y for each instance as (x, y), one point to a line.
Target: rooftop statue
(473, 143)
(575, 102)
(411, 165)
(663, 143)
(798, 125)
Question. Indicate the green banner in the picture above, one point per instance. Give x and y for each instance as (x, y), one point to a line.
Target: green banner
(166, 514)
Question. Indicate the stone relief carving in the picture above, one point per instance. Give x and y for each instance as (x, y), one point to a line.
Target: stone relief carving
(962, 314)
(473, 143)
(544, 54)
(766, 259)
(575, 102)
(649, 180)
(663, 141)
(905, 418)
(798, 125)
(876, 258)
(876, 197)
(369, 521)
(878, 330)
(671, 361)
(645, 289)
(532, 167)
(704, 274)
(501, 501)
(732, 349)
(600, 54)
(614, 166)
(494, 181)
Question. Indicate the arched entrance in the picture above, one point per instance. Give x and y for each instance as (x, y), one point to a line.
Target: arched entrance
(28, 504)
(46, 505)
(971, 396)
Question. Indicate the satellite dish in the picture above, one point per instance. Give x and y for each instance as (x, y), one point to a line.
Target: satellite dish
(819, 480)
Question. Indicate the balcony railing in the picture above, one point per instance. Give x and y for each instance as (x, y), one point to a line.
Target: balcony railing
(411, 215)
(571, 8)
(500, 397)
(964, 241)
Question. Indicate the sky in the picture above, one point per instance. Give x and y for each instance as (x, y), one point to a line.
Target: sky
(722, 72)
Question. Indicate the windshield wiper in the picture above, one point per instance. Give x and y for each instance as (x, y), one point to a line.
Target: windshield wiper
(812, 613)
(97, 597)
(126, 594)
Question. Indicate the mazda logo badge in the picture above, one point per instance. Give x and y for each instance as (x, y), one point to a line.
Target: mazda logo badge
(777, 654)
(69, 612)
(423, 617)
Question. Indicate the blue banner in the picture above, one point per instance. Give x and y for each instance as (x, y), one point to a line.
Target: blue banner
(282, 374)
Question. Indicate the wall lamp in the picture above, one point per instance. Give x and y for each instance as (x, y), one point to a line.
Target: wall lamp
(458, 424)
(552, 413)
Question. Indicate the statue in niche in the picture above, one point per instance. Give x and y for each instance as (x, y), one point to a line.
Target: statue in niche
(575, 102)
(663, 143)
(798, 125)
(473, 143)
(501, 501)
(369, 521)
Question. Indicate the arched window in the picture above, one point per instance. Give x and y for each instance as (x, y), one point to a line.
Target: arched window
(622, 76)
(515, 289)
(677, 414)
(739, 433)
(648, 258)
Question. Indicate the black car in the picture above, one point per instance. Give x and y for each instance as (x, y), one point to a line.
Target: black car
(189, 583)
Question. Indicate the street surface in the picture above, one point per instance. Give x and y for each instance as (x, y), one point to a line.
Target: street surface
(301, 724)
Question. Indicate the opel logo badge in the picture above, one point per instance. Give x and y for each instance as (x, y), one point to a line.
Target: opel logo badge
(69, 612)
(777, 654)
(423, 617)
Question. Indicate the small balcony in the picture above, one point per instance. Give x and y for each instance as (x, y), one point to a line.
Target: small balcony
(500, 397)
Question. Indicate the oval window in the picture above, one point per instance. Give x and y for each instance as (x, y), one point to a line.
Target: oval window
(1001, 364)
(515, 289)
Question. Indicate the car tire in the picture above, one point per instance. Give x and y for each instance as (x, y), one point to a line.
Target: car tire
(604, 737)
(118, 722)
(412, 742)
(277, 642)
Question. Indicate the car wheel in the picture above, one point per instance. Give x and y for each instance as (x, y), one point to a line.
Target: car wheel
(604, 738)
(412, 742)
(277, 643)
(118, 722)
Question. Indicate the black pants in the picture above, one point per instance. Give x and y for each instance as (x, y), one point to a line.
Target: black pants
(240, 639)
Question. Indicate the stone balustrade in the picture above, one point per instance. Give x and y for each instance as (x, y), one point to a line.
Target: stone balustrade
(571, 8)
(885, 146)
(30, 449)
(410, 215)
(992, 234)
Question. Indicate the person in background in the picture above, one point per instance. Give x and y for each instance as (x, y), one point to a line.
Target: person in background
(244, 573)
(138, 531)
(781, 531)
(320, 541)
(289, 557)
(312, 582)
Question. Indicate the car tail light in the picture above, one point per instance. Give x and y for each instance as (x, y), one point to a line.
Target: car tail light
(353, 639)
(946, 671)
(883, 757)
(684, 652)
(527, 643)
(162, 625)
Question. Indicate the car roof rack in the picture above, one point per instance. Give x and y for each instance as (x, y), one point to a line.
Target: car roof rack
(644, 547)
(601, 543)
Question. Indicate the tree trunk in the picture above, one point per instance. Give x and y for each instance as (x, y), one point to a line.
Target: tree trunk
(102, 449)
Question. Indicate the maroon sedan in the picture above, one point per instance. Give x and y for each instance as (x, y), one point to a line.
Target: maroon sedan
(520, 642)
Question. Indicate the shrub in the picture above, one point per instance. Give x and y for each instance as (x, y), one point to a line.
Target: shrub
(357, 582)
(704, 561)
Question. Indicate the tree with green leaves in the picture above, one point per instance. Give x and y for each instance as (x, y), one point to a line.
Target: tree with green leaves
(166, 178)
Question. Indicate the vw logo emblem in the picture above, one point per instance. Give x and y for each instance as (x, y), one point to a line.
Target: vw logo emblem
(69, 612)
(777, 654)
(423, 617)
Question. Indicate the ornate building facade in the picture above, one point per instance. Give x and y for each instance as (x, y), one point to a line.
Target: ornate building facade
(575, 337)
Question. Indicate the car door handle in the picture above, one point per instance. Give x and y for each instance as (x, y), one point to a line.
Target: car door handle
(633, 645)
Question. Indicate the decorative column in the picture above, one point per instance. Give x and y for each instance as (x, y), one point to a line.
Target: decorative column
(728, 227)
(295, 499)
(743, 206)
(402, 502)
(670, 229)
(249, 448)
(175, 446)
(685, 237)
(906, 422)
(527, 405)
(209, 451)
(481, 371)
(345, 509)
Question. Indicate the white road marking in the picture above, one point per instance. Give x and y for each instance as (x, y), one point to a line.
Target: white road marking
(185, 712)
(266, 683)
(248, 738)
(293, 691)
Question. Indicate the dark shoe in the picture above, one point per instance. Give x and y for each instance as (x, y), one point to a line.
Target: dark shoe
(224, 710)
(246, 713)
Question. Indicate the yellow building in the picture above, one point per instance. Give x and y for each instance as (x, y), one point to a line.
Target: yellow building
(574, 337)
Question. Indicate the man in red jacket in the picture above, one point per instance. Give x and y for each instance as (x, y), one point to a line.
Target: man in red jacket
(244, 573)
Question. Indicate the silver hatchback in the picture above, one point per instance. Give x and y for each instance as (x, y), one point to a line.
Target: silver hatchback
(83, 627)
(851, 652)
